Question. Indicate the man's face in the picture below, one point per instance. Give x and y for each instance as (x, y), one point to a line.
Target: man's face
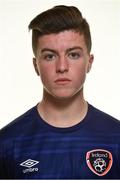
(62, 62)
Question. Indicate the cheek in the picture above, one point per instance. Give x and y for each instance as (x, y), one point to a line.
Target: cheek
(80, 71)
(79, 75)
(46, 73)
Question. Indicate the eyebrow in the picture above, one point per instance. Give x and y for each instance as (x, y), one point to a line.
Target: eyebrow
(68, 50)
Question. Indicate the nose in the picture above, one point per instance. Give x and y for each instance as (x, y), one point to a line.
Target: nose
(62, 65)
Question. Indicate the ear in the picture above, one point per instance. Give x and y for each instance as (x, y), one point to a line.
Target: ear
(91, 58)
(35, 65)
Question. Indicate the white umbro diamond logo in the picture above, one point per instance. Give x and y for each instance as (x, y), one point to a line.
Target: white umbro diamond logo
(29, 163)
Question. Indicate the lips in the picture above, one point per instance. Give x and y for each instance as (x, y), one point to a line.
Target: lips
(62, 81)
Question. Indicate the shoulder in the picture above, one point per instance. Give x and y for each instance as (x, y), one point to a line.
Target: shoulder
(103, 120)
(18, 126)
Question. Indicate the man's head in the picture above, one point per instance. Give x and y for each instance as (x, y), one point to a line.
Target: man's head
(61, 44)
(58, 19)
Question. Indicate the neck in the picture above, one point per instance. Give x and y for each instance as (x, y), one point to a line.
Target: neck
(63, 112)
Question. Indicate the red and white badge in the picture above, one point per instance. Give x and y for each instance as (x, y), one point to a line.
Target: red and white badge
(99, 161)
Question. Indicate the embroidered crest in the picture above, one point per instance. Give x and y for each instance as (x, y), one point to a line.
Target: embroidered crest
(99, 161)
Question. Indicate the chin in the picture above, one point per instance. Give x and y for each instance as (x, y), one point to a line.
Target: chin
(62, 97)
(65, 96)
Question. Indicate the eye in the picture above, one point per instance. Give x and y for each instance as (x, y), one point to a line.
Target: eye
(74, 55)
(49, 57)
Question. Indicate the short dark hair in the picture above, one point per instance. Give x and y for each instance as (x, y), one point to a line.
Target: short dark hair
(57, 19)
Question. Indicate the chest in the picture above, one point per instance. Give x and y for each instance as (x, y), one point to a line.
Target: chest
(65, 157)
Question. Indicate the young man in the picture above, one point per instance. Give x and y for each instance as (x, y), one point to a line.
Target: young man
(63, 136)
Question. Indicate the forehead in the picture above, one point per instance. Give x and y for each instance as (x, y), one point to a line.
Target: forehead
(62, 40)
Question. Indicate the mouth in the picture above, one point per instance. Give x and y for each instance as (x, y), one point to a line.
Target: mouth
(62, 81)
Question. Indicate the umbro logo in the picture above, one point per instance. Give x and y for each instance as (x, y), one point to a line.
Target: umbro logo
(29, 164)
